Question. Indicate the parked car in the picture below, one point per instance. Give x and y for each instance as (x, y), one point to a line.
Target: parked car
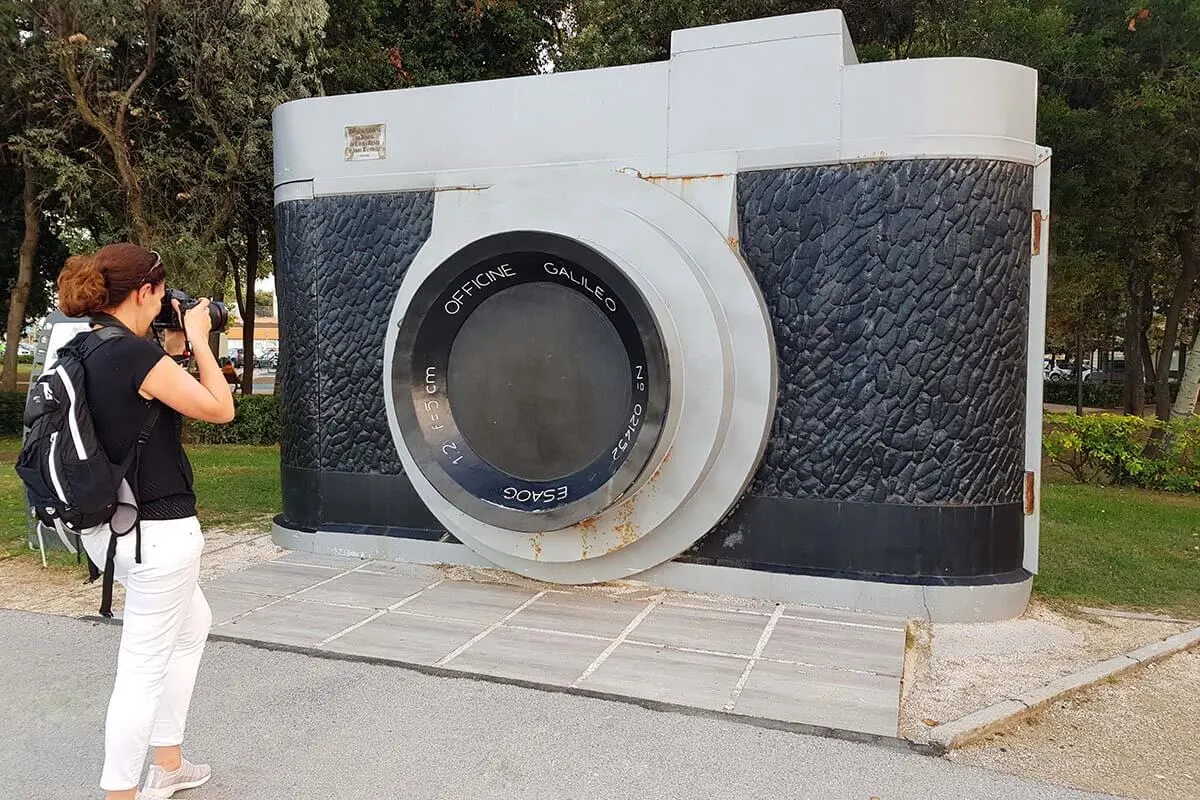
(1054, 372)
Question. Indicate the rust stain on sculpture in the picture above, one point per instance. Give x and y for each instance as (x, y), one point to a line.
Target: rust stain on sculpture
(625, 529)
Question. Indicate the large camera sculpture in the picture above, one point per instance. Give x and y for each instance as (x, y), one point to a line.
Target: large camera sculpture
(748, 320)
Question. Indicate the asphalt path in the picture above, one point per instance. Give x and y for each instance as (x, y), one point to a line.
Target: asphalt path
(284, 726)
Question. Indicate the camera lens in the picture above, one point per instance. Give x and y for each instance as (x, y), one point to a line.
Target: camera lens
(218, 313)
(540, 381)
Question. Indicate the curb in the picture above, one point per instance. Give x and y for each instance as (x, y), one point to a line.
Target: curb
(979, 724)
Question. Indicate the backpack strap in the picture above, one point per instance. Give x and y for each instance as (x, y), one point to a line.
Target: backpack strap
(109, 330)
(129, 467)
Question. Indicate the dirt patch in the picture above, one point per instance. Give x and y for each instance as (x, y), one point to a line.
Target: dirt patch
(1134, 737)
(26, 586)
(960, 668)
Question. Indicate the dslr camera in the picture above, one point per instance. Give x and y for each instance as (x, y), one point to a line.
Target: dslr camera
(757, 319)
(168, 320)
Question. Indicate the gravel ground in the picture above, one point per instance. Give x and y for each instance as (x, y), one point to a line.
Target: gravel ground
(25, 586)
(956, 669)
(1138, 736)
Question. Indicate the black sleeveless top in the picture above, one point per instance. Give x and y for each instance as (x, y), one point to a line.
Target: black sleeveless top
(114, 374)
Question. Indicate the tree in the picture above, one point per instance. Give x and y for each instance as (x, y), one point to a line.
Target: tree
(372, 45)
(24, 266)
(105, 53)
(236, 62)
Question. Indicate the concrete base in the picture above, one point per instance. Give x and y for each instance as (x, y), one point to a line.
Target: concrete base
(982, 603)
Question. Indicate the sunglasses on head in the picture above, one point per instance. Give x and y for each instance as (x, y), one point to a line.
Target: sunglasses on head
(158, 262)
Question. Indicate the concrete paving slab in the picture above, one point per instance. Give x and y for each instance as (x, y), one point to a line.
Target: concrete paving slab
(294, 622)
(274, 579)
(875, 650)
(838, 615)
(407, 638)
(540, 656)
(764, 607)
(816, 696)
(681, 677)
(578, 613)
(422, 571)
(683, 650)
(702, 629)
(321, 560)
(474, 602)
(225, 605)
(368, 590)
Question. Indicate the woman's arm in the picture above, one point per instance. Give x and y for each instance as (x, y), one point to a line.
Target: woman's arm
(208, 399)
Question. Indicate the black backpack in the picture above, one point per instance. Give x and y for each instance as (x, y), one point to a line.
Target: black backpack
(71, 483)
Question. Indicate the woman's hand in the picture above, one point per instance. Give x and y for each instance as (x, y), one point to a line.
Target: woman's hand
(197, 321)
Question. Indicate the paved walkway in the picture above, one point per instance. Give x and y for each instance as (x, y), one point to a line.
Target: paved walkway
(790, 664)
(282, 726)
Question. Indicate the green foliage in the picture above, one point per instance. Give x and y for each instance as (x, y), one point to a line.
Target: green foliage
(237, 486)
(1105, 395)
(51, 252)
(12, 411)
(1126, 450)
(372, 45)
(1097, 395)
(257, 423)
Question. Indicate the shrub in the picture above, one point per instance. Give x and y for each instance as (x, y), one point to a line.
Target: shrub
(1094, 395)
(256, 422)
(1097, 395)
(1128, 450)
(12, 412)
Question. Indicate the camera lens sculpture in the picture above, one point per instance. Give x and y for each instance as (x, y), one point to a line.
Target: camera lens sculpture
(758, 319)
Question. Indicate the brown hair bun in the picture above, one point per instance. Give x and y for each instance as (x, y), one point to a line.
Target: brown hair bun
(81, 288)
(89, 284)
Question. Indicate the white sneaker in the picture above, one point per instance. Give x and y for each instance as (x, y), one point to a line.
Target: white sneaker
(161, 784)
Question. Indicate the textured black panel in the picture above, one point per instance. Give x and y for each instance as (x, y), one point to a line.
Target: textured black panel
(898, 296)
(363, 245)
(874, 541)
(315, 499)
(340, 262)
(299, 365)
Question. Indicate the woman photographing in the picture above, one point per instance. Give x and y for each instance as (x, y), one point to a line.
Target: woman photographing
(166, 618)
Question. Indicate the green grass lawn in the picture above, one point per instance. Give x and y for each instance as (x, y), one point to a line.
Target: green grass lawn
(1120, 547)
(1100, 545)
(235, 486)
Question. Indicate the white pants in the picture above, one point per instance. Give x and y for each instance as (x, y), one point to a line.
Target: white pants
(166, 623)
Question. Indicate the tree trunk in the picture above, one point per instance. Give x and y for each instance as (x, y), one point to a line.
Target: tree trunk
(1135, 382)
(19, 297)
(1189, 380)
(1183, 293)
(218, 289)
(248, 316)
(1189, 387)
